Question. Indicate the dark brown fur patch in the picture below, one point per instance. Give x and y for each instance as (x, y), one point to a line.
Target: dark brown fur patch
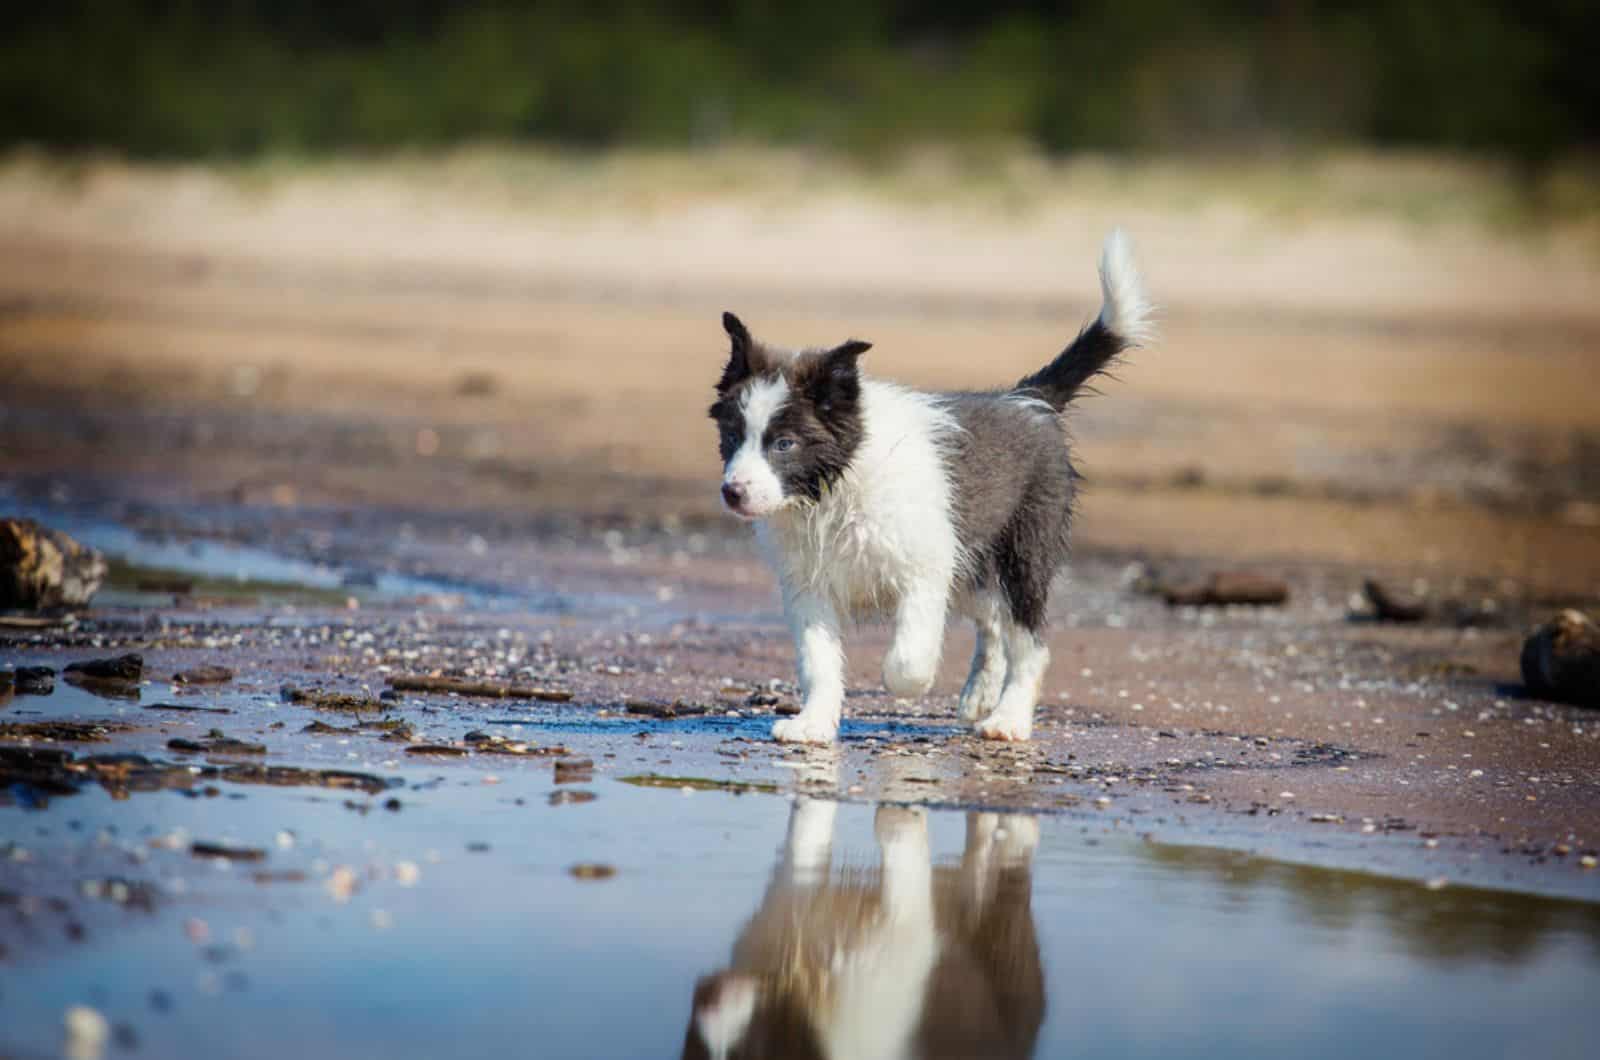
(822, 417)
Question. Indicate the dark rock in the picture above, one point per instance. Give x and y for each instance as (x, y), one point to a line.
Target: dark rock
(574, 770)
(323, 700)
(1228, 587)
(658, 709)
(187, 708)
(1390, 606)
(59, 731)
(203, 675)
(35, 680)
(293, 776)
(1561, 660)
(42, 568)
(126, 668)
(202, 849)
(481, 689)
(225, 745)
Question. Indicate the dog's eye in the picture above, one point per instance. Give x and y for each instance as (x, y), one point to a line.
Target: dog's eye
(783, 445)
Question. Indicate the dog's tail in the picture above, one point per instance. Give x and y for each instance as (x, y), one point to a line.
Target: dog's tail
(1124, 321)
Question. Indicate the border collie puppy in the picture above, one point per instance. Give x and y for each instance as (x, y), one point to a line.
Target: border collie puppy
(875, 499)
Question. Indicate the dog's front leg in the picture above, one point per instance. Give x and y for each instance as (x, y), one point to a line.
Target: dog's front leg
(819, 651)
(808, 850)
(913, 659)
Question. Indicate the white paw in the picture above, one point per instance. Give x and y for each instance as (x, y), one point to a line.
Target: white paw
(1007, 727)
(980, 695)
(805, 727)
(908, 674)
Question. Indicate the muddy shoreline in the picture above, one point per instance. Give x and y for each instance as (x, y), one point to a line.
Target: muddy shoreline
(1298, 731)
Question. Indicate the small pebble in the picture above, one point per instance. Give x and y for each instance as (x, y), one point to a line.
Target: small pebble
(342, 883)
(87, 1031)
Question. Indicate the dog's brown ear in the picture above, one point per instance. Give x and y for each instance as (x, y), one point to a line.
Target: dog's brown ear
(738, 368)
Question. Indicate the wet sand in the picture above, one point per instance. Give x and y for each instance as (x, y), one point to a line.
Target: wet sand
(506, 403)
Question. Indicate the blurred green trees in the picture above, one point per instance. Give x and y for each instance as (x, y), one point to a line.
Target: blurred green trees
(240, 77)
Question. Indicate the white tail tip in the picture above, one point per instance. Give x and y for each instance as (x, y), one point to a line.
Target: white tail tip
(1126, 311)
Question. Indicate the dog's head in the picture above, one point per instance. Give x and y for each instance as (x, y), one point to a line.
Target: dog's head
(736, 1017)
(789, 422)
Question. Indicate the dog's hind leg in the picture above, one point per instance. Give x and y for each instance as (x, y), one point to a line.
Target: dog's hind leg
(1027, 657)
(988, 674)
(1026, 563)
(819, 651)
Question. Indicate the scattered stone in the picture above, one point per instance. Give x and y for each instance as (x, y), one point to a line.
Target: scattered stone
(60, 731)
(436, 749)
(42, 568)
(201, 849)
(495, 744)
(787, 710)
(224, 745)
(87, 1031)
(482, 689)
(127, 669)
(1561, 660)
(279, 876)
(187, 708)
(294, 776)
(592, 870)
(342, 883)
(1588, 861)
(35, 680)
(737, 787)
(659, 709)
(125, 1037)
(1229, 587)
(203, 675)
(1390, 606)
(322, 700)
(574, 770)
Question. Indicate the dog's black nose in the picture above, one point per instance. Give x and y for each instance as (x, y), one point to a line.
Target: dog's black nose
(734, 495)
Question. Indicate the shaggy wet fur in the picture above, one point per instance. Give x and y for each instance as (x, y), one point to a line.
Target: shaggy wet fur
(875, 499)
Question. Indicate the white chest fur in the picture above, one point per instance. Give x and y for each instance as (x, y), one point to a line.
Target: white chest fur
(885, 525)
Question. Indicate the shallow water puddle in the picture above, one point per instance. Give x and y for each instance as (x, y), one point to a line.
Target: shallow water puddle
(471, 918)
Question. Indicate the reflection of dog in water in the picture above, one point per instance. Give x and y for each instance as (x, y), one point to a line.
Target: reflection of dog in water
(908, 961)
